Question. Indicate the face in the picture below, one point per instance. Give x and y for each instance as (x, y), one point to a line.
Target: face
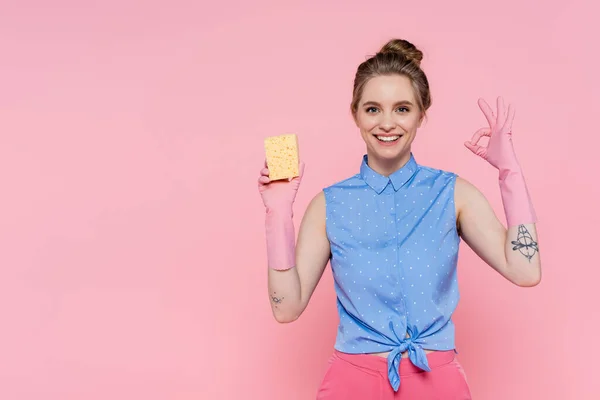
(388, 118)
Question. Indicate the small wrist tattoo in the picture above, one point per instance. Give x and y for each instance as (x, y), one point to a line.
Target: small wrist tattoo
(525, 243)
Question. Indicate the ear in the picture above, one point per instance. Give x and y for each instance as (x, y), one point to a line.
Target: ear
(421, 120)
(354, 117)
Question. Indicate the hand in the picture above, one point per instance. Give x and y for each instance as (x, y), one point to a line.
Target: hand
(499, 151)
(280, 193)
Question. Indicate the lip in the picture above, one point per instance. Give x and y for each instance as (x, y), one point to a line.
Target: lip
(388, 134)
(388, 144)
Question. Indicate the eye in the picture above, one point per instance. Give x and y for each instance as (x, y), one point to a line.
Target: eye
(404, 109)
(371, 109)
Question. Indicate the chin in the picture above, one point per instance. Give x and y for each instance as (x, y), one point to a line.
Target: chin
(388, 153)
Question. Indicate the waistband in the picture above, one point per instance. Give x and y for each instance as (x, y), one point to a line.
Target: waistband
(380, 364)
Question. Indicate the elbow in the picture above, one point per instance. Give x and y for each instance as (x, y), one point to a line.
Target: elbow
(529, 281)
(285, 318)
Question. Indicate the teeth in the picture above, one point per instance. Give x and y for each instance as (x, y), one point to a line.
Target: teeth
(387, 138)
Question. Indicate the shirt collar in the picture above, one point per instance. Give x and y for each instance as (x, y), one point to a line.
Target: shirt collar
(398, 179)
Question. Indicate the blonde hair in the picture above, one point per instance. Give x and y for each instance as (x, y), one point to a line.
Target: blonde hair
(396, 57)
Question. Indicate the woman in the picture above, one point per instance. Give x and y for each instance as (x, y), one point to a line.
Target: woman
(392, 234)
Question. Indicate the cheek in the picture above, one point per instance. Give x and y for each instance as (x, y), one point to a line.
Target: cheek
(366, 124)
(410, 124)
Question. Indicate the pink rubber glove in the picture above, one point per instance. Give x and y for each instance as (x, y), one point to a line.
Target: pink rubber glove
(500, 153)
(278, 198)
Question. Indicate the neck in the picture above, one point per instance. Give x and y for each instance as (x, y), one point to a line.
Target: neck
(386, 167)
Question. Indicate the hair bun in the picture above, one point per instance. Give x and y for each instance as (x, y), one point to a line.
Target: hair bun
(404, 48)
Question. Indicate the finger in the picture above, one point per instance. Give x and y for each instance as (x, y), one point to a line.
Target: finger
(487, 111)
(264, 171)
(476, 149)
(509, 119)
(501, 117)
(301, 168)
(264, 180)
(266, 165)
(479, 134)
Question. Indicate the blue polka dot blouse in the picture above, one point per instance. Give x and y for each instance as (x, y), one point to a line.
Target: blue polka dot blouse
(394, 250)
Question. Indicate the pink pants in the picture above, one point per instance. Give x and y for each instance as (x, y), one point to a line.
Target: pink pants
(364, 377)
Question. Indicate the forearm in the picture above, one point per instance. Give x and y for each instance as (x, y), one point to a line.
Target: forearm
(522, 254)
(284, 273)
(295, 268)
(285, 294)
(518, 206)
(283, 278)
(513, 251)
(521, 247)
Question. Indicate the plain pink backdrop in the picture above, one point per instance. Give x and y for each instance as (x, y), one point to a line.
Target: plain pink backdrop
(132, 254)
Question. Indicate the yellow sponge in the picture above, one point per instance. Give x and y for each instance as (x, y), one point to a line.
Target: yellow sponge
(282, 156)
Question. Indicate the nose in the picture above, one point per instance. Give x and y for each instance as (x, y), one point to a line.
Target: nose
(387, 123)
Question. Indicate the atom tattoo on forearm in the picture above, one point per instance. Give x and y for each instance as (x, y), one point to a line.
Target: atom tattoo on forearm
(525, 243)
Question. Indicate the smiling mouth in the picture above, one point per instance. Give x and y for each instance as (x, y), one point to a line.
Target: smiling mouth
(388, 138)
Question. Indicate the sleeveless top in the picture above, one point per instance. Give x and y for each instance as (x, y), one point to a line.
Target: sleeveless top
(394, 250)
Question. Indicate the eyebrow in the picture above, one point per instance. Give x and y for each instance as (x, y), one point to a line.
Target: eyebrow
(398, 103)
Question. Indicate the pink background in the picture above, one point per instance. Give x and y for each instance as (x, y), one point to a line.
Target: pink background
(131, 232)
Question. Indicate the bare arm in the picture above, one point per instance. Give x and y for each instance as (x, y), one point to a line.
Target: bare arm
(513, 253)
(291, 289)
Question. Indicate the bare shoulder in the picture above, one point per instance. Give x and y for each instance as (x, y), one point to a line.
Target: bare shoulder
(316, 211)
(312, 236)
(464, 188)
(317, 204)
(466, 193)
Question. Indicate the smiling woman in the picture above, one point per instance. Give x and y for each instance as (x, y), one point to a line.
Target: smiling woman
(390, 98)
(388, 125)
(392, 233)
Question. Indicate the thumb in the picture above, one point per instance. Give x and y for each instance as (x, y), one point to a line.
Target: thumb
(300, 172)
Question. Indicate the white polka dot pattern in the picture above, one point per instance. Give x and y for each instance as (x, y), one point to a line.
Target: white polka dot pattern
(394, 249)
